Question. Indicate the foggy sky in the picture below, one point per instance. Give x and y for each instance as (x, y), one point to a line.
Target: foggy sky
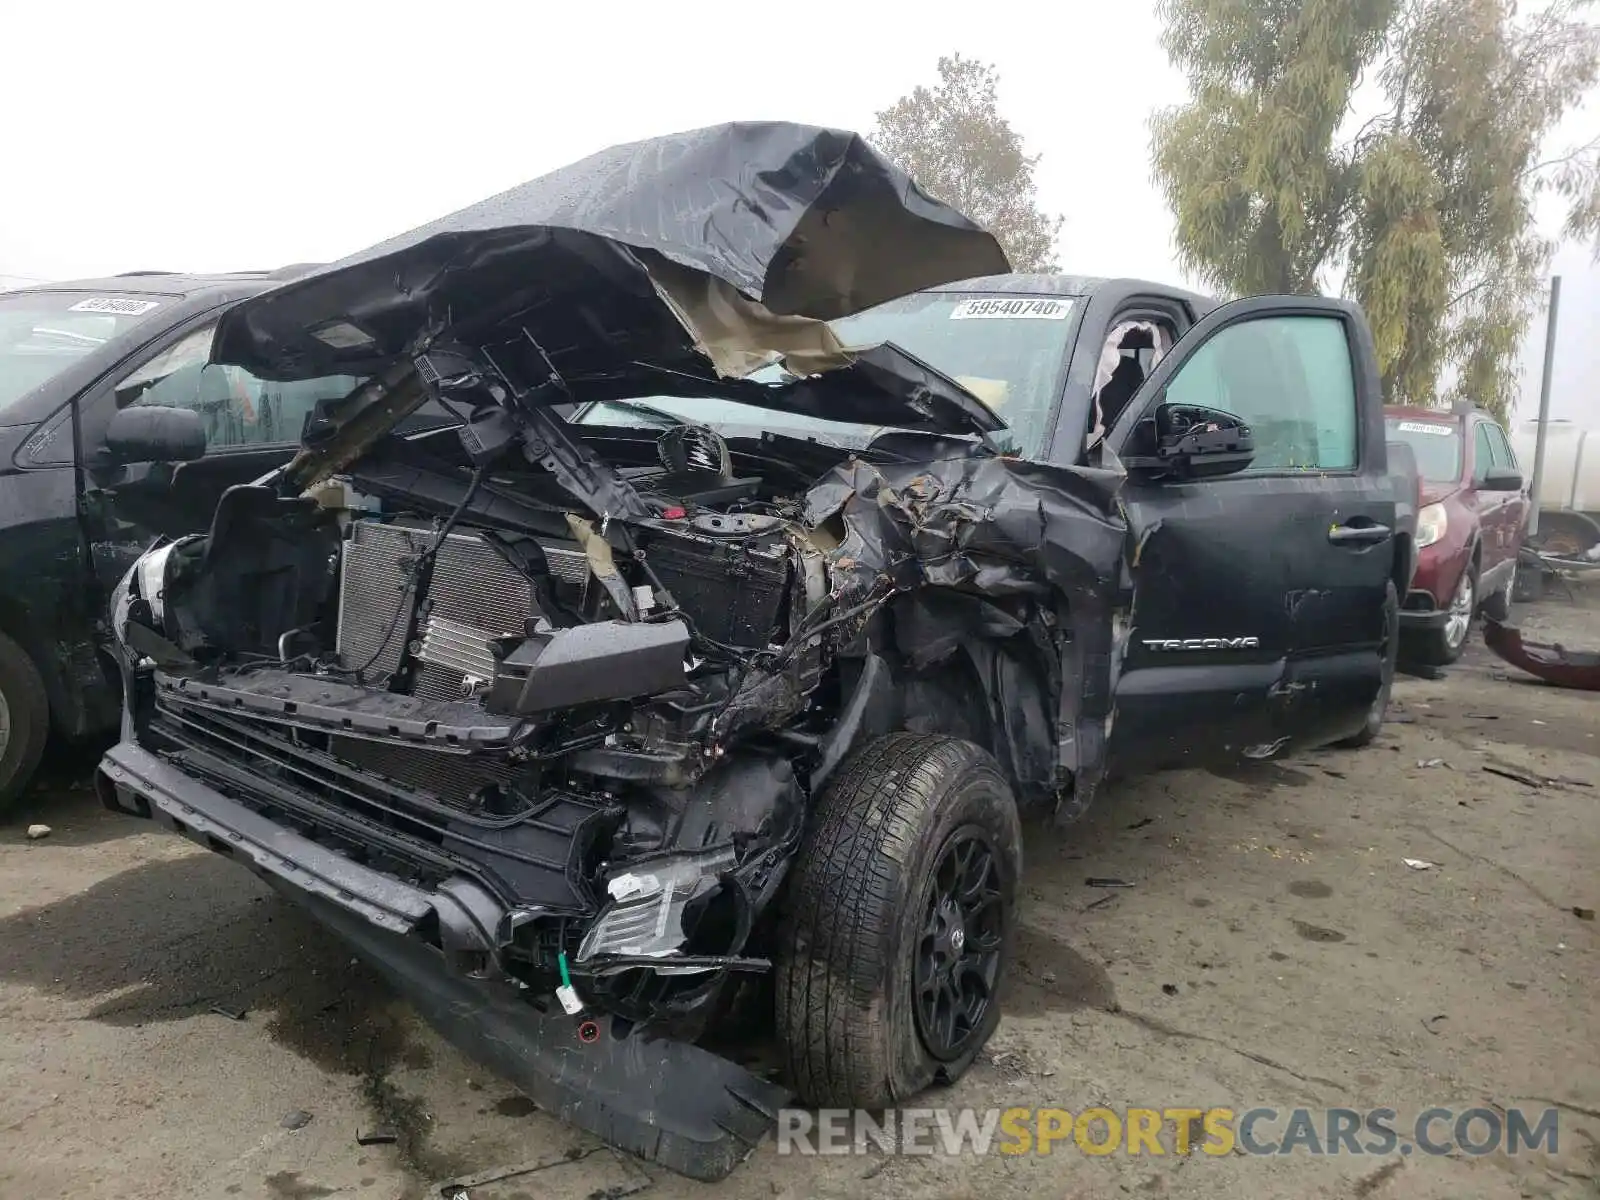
(178, 135)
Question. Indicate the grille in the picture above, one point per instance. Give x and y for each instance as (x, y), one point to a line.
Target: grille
(474, 596)
(529, 857)
(455, 779)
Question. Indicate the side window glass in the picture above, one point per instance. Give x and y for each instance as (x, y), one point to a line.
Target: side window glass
(1503, 454)
(1132, 348)
(1290, 379)
(1482, 454)
(239, 409)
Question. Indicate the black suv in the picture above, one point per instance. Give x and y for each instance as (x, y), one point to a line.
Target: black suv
(79, 498)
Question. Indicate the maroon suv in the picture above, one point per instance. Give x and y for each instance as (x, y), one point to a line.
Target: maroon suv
(1474, 513)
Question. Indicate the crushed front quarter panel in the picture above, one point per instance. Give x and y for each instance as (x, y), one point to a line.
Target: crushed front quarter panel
(1015, 564)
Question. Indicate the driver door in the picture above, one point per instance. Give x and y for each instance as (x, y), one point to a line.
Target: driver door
(251, 425)
(1258, 605)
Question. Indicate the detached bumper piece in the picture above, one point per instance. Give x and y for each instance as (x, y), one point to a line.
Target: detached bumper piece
(1552, 663)
(668, 1102)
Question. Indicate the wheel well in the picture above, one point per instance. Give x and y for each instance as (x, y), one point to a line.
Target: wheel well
(14, 623)
(76, 705)
(996, 698)
(1402, 558)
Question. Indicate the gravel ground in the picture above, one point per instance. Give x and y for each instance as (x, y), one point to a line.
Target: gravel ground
(1275, 950)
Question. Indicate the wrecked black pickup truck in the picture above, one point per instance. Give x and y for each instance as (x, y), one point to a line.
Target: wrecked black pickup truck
(783, 550)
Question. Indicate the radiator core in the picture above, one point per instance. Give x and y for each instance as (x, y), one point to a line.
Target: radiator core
(474, 596)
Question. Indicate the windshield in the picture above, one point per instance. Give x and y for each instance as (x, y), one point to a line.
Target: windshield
(238, 408)
(1437, 446)
(1006, 349)
(44, 333)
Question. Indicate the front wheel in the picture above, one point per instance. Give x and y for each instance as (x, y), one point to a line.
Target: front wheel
(1391, 653)
(24, 720)
(1442, 644)
(1497, 604)
(899, 920)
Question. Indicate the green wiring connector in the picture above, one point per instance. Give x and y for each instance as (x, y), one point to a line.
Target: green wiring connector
(571, 1002)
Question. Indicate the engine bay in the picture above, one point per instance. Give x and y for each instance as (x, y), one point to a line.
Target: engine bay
(585, 681)
(601, 728)
(581, 684)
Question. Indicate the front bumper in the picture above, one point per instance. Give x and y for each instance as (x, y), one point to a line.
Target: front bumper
(670, 1102)
(1422, 615)
(1427, 604)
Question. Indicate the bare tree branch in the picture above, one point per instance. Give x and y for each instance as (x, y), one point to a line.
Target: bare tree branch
(1590, 147)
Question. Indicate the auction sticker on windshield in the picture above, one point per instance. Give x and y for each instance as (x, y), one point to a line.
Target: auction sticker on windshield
(115, 306)
(1425, 427)
(1036, 307)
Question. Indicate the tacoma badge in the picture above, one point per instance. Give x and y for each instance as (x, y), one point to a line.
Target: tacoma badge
(1210, 643)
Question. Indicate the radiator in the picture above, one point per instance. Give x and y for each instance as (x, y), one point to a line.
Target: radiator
(475, 596)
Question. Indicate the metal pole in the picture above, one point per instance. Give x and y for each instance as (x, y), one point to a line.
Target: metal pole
(1544, 402)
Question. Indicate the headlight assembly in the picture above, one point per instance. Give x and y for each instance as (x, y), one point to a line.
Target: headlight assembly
(141, 594)
(1431, 524)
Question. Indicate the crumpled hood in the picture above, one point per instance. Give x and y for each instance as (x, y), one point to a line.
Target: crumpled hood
(671, 266)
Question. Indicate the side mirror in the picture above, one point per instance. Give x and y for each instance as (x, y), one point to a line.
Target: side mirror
(1501, 479)
(1186, 441)
(153, 434)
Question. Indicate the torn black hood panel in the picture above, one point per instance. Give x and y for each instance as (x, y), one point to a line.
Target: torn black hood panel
(884, 385)
(805, 221)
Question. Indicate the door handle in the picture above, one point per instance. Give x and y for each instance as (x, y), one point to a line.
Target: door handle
(1359, 535)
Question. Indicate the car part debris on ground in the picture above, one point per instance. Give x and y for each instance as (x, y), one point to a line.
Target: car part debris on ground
(1551, 663)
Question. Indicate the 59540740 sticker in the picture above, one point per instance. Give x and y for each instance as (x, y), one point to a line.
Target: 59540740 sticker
(1038, 308)
(1426, 427)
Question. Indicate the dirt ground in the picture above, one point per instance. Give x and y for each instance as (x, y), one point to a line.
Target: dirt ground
(1274, 951)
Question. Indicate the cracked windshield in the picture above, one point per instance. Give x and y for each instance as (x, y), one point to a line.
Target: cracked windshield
(43, 334)
(1007, 349)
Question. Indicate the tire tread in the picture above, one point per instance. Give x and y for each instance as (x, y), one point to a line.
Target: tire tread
(30, 719)
(843, 904)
